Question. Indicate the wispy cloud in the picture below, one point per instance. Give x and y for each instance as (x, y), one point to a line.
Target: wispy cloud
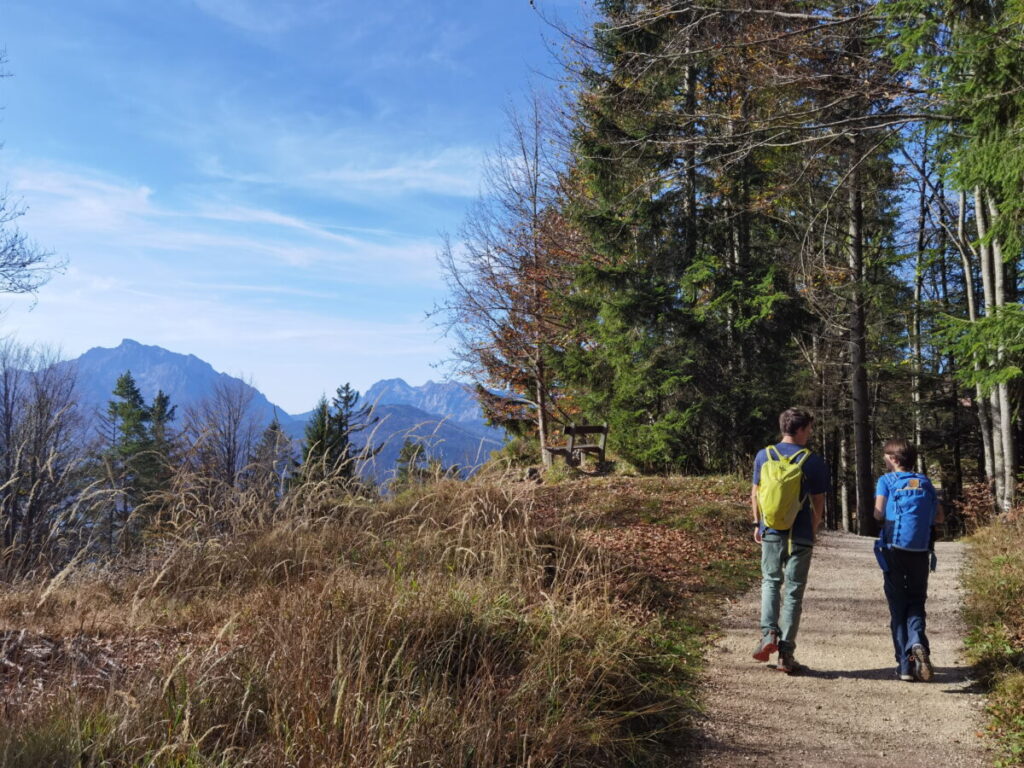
(86, 214)
(266, 17)
(337, 166)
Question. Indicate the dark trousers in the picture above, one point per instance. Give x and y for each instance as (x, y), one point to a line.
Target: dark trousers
(906, 589)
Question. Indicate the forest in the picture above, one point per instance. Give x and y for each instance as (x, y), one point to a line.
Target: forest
(733, 207)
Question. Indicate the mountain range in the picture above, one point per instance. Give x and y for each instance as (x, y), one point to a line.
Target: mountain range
(445, 416)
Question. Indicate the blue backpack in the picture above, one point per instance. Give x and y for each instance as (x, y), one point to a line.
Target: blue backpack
(909, 512)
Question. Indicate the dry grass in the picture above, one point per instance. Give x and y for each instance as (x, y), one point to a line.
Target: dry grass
(459, 624)
(995, 614)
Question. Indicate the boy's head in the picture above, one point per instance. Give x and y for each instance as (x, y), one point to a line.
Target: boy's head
(900, 452)
(793, 420)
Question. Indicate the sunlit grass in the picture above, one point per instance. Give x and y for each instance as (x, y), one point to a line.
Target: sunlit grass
(458, 623)
(995, 614)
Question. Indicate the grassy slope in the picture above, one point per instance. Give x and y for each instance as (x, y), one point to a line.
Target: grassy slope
(464, 624)
(995, 615)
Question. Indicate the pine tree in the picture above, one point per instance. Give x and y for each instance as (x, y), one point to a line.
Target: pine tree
(347, 419)
(319, 449)
(410, 467)
(161, 438)
(329, 450)
(129, 459)
(272, 462)
(687, 300)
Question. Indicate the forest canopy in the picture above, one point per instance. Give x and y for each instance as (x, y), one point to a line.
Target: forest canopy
(734, 207)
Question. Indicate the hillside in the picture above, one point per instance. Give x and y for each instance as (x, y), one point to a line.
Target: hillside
(488, 623)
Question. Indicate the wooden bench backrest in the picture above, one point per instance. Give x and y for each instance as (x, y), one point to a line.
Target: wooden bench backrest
(586, 429)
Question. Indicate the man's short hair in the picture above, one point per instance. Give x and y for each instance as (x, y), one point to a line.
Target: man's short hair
(792, 420)
(903, 452)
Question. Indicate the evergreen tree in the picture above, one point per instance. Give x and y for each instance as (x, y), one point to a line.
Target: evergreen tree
(329, 450)
(320, 446)
(687, 299)
(162, 442)
(272, 462)
(347, 419)
(410, 467)
(140, 453)
(131, 453)
(967, 58)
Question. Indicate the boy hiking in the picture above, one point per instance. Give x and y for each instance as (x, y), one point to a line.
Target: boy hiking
(907, 506)
(788, 502)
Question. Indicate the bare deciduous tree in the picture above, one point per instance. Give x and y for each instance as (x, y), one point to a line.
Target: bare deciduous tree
(508, 273)
(41, 455)
(222, 431)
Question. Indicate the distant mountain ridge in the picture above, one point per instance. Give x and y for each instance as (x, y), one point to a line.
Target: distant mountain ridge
(186, 379)
(444, 415)
(452, 398)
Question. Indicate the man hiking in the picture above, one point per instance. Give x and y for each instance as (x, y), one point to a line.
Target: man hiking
(788, 502)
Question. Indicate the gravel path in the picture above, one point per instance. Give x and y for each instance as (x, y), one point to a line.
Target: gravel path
(847, 709)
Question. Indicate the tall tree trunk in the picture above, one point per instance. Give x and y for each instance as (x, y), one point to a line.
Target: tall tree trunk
(848, 518)
(858, 360)
(984, 423)
(1005, 410)
(950, 367)
(997, 477)
(542, 416)
(915, 330)
(690, 159)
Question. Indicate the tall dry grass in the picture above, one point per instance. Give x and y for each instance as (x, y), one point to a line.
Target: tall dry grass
(995, 615)
(442, 627)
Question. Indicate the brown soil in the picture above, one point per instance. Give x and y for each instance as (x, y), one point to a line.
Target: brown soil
(847, 709)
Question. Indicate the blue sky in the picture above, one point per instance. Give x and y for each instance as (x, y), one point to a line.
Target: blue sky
(261, 183)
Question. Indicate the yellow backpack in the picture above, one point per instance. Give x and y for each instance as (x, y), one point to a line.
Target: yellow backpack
(778, 493)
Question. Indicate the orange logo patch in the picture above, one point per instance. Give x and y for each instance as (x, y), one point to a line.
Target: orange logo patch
(913, 483)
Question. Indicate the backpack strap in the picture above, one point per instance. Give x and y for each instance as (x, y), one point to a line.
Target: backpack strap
(803, 453)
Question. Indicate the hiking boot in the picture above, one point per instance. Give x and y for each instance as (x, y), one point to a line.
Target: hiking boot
(923, 669)
(766, 646)
(788, 664)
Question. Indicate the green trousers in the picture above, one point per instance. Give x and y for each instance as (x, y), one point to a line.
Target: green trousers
(783, 580)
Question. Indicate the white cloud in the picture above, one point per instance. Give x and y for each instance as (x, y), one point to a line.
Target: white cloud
(87, 202)
(83, 214)
(265, 18)
(452, 171)
(344, 168)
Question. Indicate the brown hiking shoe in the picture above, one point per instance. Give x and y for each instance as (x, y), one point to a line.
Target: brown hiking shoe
(788, 664)
(923, 669)
(766, 646)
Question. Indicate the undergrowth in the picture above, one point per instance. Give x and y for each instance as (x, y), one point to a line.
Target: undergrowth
(995, 615)
(460, 624)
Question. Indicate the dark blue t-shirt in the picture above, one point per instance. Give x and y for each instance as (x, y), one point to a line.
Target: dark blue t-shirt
(815, 481)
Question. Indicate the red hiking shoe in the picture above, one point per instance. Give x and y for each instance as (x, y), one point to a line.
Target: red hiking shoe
(766, 646)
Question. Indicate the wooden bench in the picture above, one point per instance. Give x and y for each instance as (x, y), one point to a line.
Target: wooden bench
(578, 443)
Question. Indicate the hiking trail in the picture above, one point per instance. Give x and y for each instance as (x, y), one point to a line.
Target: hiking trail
(847, 708)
